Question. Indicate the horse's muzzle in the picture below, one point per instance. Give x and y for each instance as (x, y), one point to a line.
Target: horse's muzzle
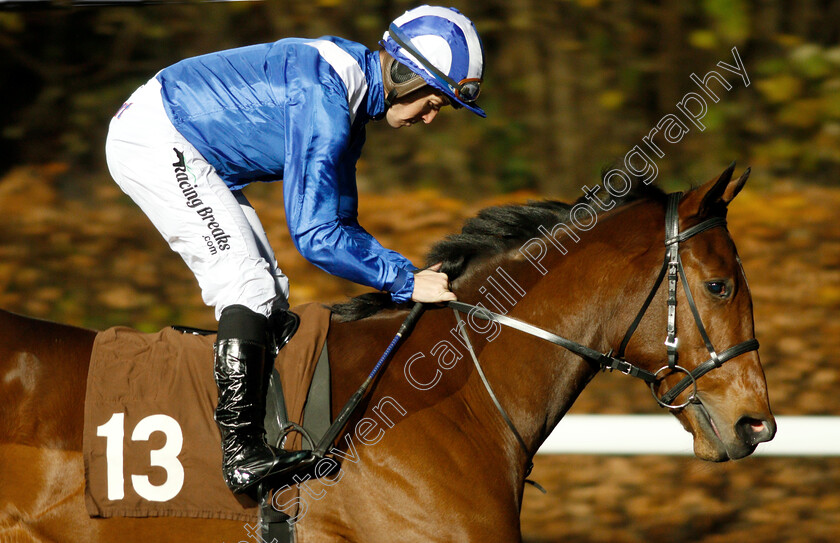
(718, 441)
(755, 430)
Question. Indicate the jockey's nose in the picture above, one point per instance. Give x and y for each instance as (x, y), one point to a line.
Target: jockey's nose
(430, 116)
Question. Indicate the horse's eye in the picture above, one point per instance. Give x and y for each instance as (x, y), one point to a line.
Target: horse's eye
(718, 288)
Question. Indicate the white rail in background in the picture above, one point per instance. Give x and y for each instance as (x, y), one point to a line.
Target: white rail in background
(663, 434)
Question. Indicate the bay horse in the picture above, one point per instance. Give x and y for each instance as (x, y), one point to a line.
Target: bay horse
(447, 454)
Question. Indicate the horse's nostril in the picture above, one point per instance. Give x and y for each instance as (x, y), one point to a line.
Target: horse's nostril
(754, 431)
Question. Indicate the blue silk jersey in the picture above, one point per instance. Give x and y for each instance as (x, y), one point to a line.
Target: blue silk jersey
(294, 110)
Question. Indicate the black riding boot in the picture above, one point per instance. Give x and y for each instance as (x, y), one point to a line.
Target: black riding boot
(242, 372)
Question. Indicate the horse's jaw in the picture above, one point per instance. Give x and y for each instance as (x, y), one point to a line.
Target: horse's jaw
(718, 440)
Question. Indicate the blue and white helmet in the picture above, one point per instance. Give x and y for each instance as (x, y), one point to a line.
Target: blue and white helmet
(443, 47)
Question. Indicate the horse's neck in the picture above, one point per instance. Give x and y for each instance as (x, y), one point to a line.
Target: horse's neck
(589, 296)
(585, 297)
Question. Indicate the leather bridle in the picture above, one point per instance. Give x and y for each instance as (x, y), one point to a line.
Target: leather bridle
(674, 269)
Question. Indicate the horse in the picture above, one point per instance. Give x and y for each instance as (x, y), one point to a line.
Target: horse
(441, 446)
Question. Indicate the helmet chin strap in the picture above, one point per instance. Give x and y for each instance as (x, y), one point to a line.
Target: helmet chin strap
(389, 99)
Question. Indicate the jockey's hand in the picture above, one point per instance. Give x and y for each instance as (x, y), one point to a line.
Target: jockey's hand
(431, 286)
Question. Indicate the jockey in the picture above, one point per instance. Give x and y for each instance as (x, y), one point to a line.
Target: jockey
(185, 144)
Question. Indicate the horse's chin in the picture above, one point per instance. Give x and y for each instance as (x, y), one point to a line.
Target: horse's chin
(710, 443)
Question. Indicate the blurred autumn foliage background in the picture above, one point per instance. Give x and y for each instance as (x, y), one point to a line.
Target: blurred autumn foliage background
(571, 86)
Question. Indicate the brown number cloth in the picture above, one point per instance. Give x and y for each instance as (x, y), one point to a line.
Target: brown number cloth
(162, 385)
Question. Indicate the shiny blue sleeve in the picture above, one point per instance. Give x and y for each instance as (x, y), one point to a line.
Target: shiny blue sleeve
(365, 239)
(317, 150)
(349, 209)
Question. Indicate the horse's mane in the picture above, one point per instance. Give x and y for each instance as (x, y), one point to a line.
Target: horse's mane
(494, 230)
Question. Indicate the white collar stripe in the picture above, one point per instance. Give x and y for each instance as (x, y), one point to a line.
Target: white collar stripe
(348, 70)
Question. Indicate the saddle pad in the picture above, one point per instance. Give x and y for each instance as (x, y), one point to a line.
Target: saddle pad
(150, 444)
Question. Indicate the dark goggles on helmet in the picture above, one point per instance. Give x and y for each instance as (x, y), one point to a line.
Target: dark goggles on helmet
(466, 91)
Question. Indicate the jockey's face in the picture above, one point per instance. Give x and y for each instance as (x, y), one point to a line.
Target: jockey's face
(421, 105)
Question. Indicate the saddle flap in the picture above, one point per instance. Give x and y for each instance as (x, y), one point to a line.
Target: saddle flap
(304, 380)
(317, 411)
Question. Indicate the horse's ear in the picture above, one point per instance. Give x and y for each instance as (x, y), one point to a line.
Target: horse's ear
(734, 187)
(715, 195)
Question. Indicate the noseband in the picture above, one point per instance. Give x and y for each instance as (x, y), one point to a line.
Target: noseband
(673, 268)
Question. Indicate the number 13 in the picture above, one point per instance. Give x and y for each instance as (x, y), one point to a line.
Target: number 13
(166, 457)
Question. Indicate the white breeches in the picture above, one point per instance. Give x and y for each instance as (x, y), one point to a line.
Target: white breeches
(214, 229)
